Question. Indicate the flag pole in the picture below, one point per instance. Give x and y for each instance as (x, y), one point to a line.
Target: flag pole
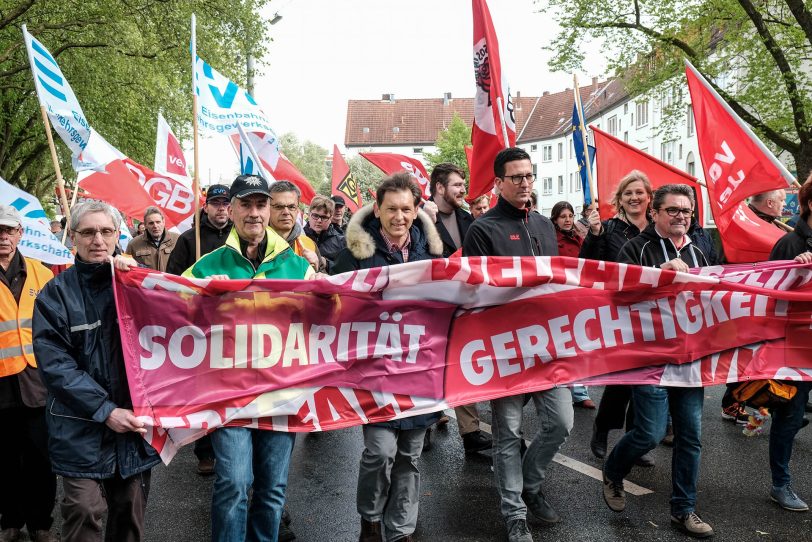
(60, 182)
(196, 178)
(502, 121)
(580, 107)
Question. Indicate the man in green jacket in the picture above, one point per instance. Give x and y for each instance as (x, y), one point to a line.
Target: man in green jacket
(246, 457)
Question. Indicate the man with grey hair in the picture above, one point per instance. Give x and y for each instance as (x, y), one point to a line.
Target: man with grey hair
(95, 440)
(768, 206)
(284, 214)
(664, 244)
(153, 247)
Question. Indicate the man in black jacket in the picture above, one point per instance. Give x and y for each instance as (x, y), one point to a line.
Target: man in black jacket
(447, 191)
(215, 226)
(95, 440)
(664, 244)
(390, 232)
(510, 229)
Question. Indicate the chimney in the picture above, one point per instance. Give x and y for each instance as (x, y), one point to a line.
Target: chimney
(388, 98)
(518, 101)
(545, 93)
(594, 82)
(446, 98)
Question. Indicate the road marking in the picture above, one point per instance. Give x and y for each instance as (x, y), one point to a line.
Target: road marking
(571, 463)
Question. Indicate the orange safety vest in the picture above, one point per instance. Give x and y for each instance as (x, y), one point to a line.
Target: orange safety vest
(16, 348)
(303, 242)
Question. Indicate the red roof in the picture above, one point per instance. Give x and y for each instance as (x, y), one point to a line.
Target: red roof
(405, 122)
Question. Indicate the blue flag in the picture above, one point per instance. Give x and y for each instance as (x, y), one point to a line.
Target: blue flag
(578, 143)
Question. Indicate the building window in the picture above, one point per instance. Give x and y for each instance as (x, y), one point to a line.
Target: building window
(612, 125)
(547, 186)
(691, 126)
(667, 151)
(572, 184)
(626, 137)
(690, 164)
(642, 113)
(625, 109)
(560, 151)
(560, 184)
(578, 183)
(547, 153)
(679, 155)
(534, 147)
(417, 150)
(569, 142)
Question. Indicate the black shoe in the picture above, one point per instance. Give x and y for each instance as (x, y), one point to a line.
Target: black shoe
(540, 508)
(427, 440)
(285, 534)
(645, 460)
(598, 443)
(808, 407)
(476, 442)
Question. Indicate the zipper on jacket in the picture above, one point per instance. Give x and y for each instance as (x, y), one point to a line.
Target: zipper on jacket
(524, 222)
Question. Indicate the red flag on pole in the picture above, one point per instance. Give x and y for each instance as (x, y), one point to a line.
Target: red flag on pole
(736, 165)
(391, 163)
(494, 125)
(169, 156)
(615, 158)
(344, 184)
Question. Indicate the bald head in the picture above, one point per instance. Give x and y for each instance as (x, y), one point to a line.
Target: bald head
(770, 203)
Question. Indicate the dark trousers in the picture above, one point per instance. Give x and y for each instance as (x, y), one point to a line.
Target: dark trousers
(615, 409)
(203, 448)
(86, 501)
(27, 485)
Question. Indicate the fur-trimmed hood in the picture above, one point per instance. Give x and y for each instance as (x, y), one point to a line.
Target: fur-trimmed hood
(362, 245)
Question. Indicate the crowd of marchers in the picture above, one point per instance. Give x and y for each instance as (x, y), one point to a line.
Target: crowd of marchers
(65, 407)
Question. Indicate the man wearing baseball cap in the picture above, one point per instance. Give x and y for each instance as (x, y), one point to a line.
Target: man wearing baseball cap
(338, 213)
(246, 458)
(214, 227)
(28, 490)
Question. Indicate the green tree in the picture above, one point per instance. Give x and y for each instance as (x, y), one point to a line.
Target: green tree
(310, 159)
(124, 61)
(367, 175)
(757, 52)
(451, 144)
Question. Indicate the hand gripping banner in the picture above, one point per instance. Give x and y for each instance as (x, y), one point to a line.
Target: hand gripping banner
(385, 343)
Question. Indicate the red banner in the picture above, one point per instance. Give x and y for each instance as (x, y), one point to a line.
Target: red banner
(391, 163)
(344, 184)
(494, 125)
(384, 343)
(615, 158)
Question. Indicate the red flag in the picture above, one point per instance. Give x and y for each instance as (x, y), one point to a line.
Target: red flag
(737, 165)
(391, 163)
(492, 91)
(344, 184)
(119, 187)
(616, 158)
(173, 197)
(168, 152)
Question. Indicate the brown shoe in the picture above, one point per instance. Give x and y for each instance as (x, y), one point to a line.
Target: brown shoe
(205, 466)
(44, 536)
(588, 404)
(370, 531)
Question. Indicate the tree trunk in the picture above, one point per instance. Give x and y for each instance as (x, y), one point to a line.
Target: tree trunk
(803, 161)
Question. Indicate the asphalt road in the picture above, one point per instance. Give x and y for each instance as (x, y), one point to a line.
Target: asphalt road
(459, 503)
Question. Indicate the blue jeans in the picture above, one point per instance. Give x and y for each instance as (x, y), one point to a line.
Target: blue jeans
(247, 457)
(513, 473)
(787, 422)
(651, 406)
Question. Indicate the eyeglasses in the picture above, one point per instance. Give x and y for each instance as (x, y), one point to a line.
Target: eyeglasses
(517, 179)
(674, 211)
(218, 203)
(90, 233)
(8, 230)
(314, 216)
(279, 208)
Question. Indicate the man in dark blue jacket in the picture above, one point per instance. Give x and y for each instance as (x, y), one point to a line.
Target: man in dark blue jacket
(95, 440)
(389, 481)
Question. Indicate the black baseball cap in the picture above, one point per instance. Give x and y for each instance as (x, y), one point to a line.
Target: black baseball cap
(339, 201)
(216, 191)
(245, 185)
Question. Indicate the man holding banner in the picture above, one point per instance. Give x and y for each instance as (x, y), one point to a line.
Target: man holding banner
(246, 457)
(664, 244)
(29, 487)
(510, 229)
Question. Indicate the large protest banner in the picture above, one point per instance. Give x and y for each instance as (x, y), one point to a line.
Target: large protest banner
(377, 344)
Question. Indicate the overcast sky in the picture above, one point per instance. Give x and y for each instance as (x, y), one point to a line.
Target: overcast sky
(326, 52)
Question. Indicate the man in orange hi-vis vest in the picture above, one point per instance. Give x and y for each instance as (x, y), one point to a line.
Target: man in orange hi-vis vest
(28, 487)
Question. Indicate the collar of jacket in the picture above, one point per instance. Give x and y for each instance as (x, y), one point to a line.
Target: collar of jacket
(275, 246)
(206, 223)
(512, 211)
(294, 233)
(763, 216)
(93, 272)
(361, 242)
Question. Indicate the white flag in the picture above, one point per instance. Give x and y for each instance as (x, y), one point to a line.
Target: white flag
(37, 242)
(250, 163)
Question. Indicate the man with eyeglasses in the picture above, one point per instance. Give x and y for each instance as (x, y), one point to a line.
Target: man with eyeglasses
(510, 229)
(320, 229)
(214, 227)
(284, 212)
(664, 244)
(95, 440)
(28, 487)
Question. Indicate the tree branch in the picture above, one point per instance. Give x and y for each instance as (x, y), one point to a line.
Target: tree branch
(39, 149)
(15, 13)
(803, 17)
(787, 75)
